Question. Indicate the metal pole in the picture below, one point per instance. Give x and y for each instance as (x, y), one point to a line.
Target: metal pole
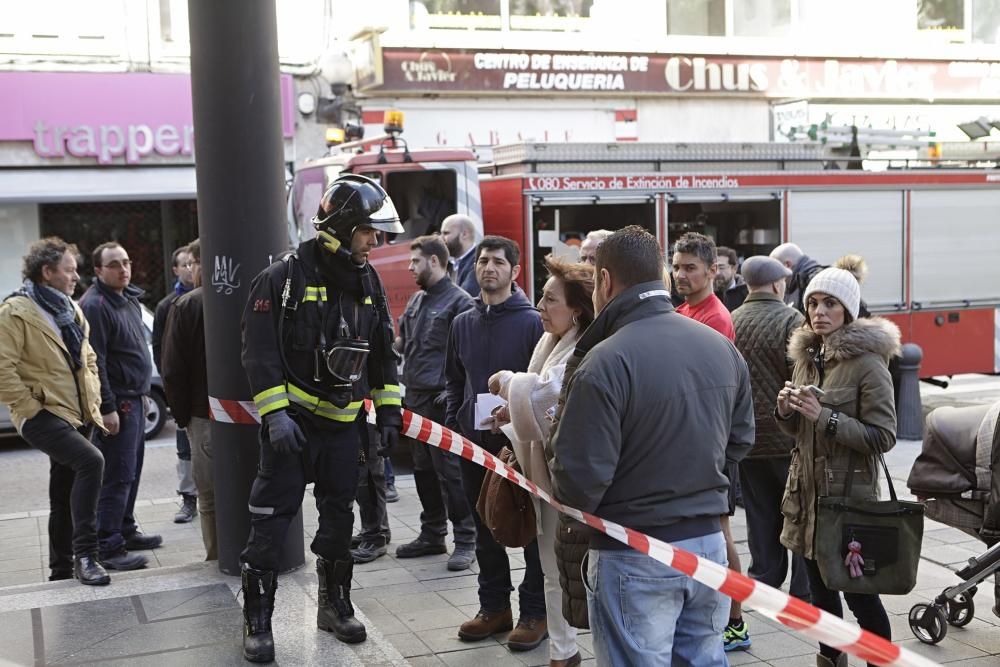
(240, 169)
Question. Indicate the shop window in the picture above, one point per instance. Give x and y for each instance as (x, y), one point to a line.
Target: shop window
(567, 15)
(148, 230)
(696, 17)
(455, 14)
(761, 18)
(986, 21)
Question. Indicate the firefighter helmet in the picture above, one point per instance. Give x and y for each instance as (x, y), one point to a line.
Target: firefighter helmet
(354, 201)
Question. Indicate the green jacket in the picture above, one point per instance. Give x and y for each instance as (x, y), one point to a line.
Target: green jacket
(858, 385)
(763, 326)
(35, 372)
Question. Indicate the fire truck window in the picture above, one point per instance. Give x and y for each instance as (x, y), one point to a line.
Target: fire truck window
(748, 227)
(423, 198)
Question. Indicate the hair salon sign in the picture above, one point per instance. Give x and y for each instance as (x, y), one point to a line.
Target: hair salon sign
(114, 118)
(505, 72)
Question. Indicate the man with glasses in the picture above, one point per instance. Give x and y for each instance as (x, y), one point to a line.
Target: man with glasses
(186, 489)
(111, 305)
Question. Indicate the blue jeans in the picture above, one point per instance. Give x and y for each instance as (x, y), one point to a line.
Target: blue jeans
(123, 459)
(645, 613)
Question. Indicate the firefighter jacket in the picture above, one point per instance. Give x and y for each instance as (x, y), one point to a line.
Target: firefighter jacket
(282, 347)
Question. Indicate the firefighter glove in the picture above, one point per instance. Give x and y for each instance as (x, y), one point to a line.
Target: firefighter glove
(441, 400)
(284, 434)
(388, 438)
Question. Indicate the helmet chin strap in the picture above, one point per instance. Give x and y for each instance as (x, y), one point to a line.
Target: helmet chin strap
(329, 241)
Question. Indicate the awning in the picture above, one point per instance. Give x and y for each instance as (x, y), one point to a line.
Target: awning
(97, 184)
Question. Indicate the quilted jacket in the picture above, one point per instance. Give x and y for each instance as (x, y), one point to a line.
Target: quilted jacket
(763, 325)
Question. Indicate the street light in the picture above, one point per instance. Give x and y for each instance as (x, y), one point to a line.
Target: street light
(341, 110)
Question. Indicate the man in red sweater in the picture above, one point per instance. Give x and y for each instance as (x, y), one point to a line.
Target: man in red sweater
(694, 276)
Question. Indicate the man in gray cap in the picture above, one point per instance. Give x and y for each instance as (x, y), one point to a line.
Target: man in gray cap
(763, 324)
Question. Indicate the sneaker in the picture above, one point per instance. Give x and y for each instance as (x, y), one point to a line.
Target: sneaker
(123, 560)
(139, 541)
(461, 558)
(391, 494)
(420, 547)
(356, 540)
(188, 510)
(528, 634)
(736, 637)
(368, 551)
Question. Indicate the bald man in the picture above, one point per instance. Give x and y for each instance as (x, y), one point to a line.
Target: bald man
(459, 233)
(803, 268)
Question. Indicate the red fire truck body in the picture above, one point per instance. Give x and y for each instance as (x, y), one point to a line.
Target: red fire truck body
(929, 235)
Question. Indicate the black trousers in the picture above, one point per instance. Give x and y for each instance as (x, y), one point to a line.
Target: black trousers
(867, 608)
(763, 486)
(494, 565)
(74, 486)
(438, 475)
(329, 458)
(371, 488)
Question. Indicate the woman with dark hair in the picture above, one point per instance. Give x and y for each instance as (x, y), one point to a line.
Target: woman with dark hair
(837, 429)
(567, 309)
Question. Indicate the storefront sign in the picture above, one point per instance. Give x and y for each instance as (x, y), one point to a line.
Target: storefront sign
(470, 71)
(110, 117)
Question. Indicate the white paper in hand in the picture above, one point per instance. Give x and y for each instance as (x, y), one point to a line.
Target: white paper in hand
(485, 405)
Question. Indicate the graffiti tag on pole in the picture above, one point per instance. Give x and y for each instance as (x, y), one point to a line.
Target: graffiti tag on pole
(224, 275)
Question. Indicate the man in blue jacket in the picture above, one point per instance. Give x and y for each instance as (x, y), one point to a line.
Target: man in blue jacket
(117, 334)
(499, 333)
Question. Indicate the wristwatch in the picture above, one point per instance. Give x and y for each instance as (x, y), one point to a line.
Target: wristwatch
(831, 424)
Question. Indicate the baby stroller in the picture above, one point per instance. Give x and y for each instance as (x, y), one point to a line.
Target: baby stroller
(958, 475)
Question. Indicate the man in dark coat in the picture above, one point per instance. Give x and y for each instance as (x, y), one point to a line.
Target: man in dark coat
(117, 334)
(763, 325)
(185, 378)
(729, 285)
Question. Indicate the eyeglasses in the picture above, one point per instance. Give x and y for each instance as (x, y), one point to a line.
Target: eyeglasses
(117, 265)
(190, 265)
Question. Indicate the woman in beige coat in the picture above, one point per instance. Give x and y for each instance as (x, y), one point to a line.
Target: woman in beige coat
(836, 430)
(567, 309)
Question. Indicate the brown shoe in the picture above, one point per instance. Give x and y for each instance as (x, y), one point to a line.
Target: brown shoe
(528, 634)
(486, 623)
(572, 661)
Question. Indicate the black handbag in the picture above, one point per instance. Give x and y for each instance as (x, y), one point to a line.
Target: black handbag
(868, 546)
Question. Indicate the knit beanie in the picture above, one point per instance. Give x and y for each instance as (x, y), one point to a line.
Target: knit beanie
(840, 284)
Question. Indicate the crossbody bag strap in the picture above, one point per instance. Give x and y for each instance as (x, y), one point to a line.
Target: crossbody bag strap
(849, 481)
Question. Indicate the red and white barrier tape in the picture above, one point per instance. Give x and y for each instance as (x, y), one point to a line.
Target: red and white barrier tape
(787, 610)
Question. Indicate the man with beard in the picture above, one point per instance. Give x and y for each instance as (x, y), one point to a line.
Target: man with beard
(500, 333)
(459, 234)
(423, 341)
(729, 285)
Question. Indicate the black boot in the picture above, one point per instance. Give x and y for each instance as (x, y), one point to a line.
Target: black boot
(258, 605)
(88, 570)
(336, 613)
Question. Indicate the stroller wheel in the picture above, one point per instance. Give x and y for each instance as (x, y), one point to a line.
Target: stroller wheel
(961, 610)
(928, 623)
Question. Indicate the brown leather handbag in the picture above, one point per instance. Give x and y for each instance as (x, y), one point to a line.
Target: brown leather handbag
(505, 508)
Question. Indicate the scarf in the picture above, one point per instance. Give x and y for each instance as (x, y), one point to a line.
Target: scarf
(180, 290)
(60, 307)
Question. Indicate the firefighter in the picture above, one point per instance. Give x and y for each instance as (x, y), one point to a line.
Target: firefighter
(317, 338)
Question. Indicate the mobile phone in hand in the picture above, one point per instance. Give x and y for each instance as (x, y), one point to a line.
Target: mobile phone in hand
(817, 392)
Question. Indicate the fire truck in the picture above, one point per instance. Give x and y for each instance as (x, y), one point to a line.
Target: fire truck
(928, 229)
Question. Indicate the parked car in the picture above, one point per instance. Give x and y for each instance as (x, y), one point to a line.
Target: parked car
(156, 410)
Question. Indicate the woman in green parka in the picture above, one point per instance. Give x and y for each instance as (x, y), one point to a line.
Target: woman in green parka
(837, 427)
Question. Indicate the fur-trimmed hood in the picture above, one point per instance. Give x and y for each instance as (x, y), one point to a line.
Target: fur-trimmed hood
(873, 335)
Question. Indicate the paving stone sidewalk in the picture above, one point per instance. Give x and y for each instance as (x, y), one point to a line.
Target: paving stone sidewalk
(414, 606)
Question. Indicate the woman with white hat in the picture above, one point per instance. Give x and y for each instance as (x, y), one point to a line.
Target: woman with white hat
(852, 412)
